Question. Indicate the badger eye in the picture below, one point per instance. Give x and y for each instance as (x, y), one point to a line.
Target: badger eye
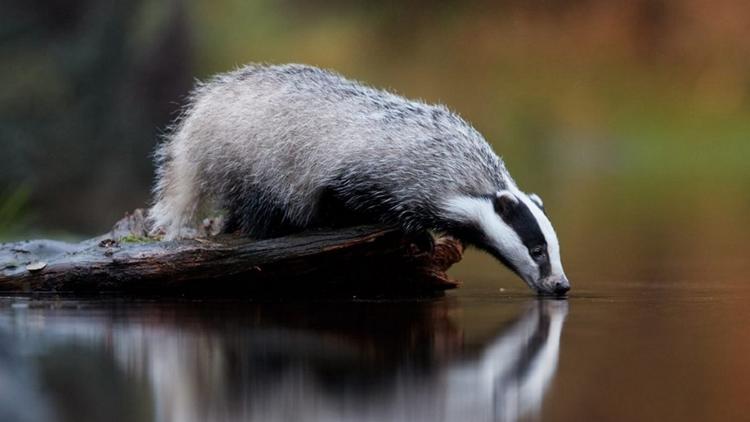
(537, 252)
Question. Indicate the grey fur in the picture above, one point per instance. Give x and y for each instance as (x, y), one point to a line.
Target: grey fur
(272, 145)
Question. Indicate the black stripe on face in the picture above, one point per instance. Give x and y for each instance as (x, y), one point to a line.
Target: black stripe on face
(473, 234)
(522, 221)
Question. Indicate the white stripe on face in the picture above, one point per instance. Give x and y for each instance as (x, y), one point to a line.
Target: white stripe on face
(500, 237)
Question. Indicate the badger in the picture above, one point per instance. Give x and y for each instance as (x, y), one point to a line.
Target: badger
(282, 148)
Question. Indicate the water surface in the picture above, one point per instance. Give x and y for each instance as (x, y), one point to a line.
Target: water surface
(623, 351)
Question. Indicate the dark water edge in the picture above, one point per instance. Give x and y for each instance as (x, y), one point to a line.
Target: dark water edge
(622, 351)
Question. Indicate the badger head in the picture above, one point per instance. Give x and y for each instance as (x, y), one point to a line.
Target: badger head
(514, 228)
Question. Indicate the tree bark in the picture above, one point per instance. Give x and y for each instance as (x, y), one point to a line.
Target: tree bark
(359, 261)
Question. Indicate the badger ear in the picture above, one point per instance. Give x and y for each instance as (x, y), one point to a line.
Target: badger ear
(504, 202)
(537, 200)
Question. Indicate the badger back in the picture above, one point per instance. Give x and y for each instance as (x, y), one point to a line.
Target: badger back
(288, 132)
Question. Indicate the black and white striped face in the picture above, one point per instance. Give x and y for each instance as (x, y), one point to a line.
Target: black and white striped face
(513, 227)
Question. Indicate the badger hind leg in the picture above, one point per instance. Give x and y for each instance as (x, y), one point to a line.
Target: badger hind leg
(176, 194)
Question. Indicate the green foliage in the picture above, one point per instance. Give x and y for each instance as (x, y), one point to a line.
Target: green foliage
(14, 214)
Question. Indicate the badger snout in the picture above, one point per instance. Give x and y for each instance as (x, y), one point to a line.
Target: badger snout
(557, 286)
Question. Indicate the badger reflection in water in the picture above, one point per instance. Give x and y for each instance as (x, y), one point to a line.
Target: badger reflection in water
(512, 374)
(356, 361)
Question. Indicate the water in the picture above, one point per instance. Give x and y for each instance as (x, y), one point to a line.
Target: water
(622, 351)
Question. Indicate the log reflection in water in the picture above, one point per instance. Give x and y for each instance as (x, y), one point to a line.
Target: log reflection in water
(339, 361)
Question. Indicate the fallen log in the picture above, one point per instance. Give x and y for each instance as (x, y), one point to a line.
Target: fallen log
(366, 261)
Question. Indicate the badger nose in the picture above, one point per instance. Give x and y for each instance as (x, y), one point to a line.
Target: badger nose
(561, 287)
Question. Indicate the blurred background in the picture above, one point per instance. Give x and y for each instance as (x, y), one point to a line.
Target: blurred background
(630, 118)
